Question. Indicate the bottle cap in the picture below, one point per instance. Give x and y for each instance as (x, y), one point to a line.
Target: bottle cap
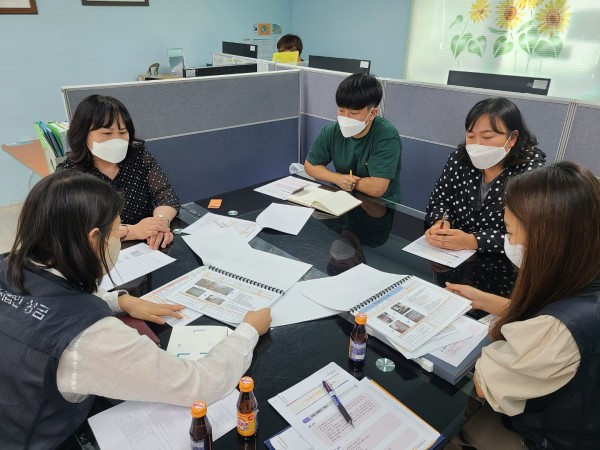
(360, 318)
(198, 409)
(246, 384)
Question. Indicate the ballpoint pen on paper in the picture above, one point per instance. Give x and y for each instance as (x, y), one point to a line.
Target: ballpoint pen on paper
(444, 219)
(337, 402)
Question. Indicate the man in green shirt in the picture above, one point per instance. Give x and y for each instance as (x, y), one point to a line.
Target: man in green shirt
(365, 148)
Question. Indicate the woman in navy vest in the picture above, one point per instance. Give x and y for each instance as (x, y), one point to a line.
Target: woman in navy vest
(60, 344)
(542, 371)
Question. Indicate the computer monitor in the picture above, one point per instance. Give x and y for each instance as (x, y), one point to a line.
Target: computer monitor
(340, 64)
(235, 48)
(511, 83)
(176, 60)
(207, 71)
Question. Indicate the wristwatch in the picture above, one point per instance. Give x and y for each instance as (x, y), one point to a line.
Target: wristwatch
(164, 218)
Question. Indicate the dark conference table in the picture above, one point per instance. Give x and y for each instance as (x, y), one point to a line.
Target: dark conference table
(373, 233)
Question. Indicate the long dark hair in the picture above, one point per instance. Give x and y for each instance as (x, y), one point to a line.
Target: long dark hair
(54, 224)
(95, 112)
(501, 110)
(559, 208)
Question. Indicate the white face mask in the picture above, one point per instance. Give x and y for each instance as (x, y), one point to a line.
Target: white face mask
(486, 156)
(513, 252)
(352, 127)
(112, 252)
(113, 151)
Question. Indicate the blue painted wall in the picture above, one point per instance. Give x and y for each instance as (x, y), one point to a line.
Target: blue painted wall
(68, 44)
(376, 30)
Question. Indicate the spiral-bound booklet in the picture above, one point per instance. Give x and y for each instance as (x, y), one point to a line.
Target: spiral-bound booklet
(412, 311)
(219, 294)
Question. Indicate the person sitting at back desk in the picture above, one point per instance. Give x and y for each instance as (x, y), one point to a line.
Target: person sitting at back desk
(365, 148)
(291, 43)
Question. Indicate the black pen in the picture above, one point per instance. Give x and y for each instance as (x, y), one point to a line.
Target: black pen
(337, 403)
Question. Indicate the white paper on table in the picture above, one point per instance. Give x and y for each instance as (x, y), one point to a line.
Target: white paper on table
(346, 290)
(196, 341)
(230, 253)
(285, 218)
(450, 258)
(164, 294)
(454, 354)
(453, 333)
(285, 187)
(209, 222)
(156, 426)
(218, 295)
(289, 439)
(294, 307)
(380, 421)
(134, 262)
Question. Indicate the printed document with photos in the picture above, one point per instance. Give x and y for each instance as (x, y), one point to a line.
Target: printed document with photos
(411, 312)
(381, 422)
(218, 294)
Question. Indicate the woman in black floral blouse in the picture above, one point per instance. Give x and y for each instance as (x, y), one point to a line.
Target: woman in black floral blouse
(470, 190)
(102, 142)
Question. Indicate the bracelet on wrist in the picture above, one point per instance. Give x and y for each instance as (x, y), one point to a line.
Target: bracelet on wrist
(165, 218)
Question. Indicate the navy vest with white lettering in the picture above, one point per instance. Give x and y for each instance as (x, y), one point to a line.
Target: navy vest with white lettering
(570, 417)
(35, 329)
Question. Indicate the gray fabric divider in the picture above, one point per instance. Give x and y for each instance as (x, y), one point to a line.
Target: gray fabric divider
(584, 138)
(318, 93)
(211, 163)
(310, 128)
(176, 107)
(437, 114)
(422, 164)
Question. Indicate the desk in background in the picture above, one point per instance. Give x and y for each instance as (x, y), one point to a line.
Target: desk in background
(30, 154)
(288, 354)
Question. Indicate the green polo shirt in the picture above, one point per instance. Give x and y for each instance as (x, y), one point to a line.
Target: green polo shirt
(375, 155)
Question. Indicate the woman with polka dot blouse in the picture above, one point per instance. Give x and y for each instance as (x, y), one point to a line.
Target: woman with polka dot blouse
(465, 210)
(102, 143)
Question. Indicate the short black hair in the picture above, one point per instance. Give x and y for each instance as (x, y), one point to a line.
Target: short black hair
(358, 91)
(290, 42)
(501, 110)
(95, 112)
(54, 224)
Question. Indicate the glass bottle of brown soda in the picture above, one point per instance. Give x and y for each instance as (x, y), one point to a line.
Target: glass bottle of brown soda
(200, 430)
(247, 412)
(357, 350)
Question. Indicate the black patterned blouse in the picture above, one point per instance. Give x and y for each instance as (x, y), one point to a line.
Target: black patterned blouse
(143, 184)
(458, 192)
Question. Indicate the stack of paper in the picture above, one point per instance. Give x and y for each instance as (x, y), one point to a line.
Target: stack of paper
(450, 258)
(380, 421)
(285, 187)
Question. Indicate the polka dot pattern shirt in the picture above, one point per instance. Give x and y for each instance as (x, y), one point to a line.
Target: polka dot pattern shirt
(143, 184)
(457, 191)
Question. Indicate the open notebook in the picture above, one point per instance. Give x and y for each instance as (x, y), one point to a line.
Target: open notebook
(336, 203)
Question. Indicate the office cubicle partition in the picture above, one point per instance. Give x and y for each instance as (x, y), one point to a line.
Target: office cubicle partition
(582, 144)
(212, 134)
(252, 126)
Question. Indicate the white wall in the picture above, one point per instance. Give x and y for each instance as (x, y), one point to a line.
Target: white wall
(68, 44)
(357, 29)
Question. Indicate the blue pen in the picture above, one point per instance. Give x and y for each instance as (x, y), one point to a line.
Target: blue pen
(337, 403)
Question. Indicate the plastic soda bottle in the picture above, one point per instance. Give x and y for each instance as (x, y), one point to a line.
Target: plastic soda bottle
(200, 430)
(357, 349)
(247, 411)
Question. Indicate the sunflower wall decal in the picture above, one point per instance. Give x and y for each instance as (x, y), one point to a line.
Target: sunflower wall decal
(534, 27)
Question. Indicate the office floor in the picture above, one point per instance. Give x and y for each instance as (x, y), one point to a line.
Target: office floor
(8, 226)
